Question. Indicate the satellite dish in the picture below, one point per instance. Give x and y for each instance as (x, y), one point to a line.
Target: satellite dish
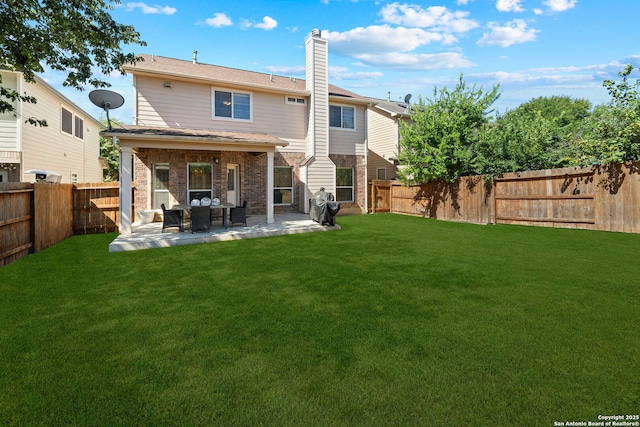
(407, 98)
(107, 100)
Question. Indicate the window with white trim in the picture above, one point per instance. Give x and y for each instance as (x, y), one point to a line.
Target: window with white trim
(200, 181)
(344, 184)
(342, 117)
(71, 124)
(231, 105)
(283, 185)
(293, 100)
(161, 185)
(78, 130)
(66, 121)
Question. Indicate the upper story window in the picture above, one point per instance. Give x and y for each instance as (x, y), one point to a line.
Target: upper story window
(294, 100)
(231, 105)
(67, 121)
(71, 124)
(342, 117)
(79, 128)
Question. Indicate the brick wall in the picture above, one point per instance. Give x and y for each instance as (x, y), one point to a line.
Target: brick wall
(253, 176)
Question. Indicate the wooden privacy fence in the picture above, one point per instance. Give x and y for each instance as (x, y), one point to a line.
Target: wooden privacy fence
(36, 216)
(597, 198)
(96, 208)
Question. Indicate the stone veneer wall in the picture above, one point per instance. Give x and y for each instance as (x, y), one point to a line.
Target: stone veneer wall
(359, 181)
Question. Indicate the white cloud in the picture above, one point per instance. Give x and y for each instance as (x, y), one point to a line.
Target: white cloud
(423, 61)
(287, 71)
(378, 39)
(219, 20)
(268, 23)
(150, 10)
(533, 77)
(513, 32)
(509, 6)
(341, 73)
(438, 17)
(610, 69)
(560, 5)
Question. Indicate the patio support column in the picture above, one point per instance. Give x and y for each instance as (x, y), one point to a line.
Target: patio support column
(125, 190)
(270, 188)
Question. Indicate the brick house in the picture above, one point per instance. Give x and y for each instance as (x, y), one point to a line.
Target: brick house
(210, 131)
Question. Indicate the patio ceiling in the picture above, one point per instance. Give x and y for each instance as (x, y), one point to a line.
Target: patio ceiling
(193, 139)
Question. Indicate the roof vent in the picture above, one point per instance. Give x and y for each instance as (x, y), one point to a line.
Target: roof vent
(195, 56)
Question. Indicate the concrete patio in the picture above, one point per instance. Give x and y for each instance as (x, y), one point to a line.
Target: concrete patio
(148, 236)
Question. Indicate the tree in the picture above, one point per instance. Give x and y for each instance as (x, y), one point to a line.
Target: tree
(612, 133)
(67, 35)
(438, 142)
(516, 143)
(110, 153)
(536, 135)
(562, 112)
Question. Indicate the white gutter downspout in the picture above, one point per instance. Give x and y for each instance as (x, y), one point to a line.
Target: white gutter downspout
(366, 159)
(135, 102)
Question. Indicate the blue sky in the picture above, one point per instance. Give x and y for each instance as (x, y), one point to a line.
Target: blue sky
(386, 49)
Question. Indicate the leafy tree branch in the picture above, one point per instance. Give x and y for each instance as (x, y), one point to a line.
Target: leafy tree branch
(72, 36)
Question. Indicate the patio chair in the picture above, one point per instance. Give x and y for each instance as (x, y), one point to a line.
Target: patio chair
(238, 214)
(171, 218)
(200, 220)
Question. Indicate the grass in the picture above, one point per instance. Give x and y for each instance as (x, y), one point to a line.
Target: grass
(393, 320)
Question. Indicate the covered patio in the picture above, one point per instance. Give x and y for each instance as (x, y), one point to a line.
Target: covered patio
(147, 236)
(180, 153)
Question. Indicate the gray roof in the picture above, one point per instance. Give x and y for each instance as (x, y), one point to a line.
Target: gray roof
(393, 108)
(209, 135)
(178, 68)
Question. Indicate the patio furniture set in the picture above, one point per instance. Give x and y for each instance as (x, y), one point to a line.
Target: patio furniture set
(201, 213)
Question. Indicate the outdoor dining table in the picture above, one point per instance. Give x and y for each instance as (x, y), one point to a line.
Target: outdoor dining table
(224, 206)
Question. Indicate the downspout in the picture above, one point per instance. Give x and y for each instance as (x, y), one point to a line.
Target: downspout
(135, 102)
(19, 124)
(366, 159)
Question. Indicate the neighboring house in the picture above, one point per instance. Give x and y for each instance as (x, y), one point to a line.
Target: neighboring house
(68, 146)
(384, 136)
(210, 131)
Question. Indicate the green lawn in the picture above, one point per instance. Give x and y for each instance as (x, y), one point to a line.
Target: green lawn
(393, 320)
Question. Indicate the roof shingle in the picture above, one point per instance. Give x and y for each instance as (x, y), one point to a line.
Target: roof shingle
(164, 66)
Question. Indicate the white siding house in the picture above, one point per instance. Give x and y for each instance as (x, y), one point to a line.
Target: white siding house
(69, 145)
(384, 119)
(207, 130)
